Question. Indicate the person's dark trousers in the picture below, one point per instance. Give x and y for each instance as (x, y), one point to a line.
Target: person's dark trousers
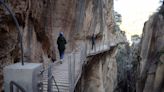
(61, 53)
(92, 46)
(93, 42)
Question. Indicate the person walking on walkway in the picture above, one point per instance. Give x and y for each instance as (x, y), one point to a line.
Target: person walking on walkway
(93, 41)
(61, 42)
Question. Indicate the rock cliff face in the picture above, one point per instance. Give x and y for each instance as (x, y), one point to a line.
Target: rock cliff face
(41, 21)
(107, 71)
(101, 74)
(151, 75)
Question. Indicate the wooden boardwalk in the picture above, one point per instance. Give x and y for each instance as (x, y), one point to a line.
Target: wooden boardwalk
(98, 50)
(62, 72)
(68, 73)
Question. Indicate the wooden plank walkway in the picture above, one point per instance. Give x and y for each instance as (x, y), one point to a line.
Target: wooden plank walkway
(68, 73)
(61, 73)
(98, 50)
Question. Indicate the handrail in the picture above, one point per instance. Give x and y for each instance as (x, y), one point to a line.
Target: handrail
(12, 84)
(73, 77)
(17, 26)
(55, 83)
(50, 78)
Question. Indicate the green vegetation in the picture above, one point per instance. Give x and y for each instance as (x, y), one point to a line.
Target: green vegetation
(118, 21)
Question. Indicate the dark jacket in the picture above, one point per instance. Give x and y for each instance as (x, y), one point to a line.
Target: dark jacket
(61, 43)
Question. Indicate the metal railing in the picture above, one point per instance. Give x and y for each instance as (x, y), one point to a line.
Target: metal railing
(76, 61)
(14, 87)
(99, 47)
(51, 78)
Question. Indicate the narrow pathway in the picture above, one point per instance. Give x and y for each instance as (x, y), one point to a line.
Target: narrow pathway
(68, 73)
(61, 73)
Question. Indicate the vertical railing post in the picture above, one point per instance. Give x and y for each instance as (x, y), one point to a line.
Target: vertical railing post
(99, 46)
(86, 48)
(49, 79)
(103, 42)
(11, 87)
(89, 46)
(73, 72)
(70, 73)
(15, 87)
(86, 51)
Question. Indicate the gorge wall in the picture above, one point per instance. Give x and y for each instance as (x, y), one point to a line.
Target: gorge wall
(151, 74)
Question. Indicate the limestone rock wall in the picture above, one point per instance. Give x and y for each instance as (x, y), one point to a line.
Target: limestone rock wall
(151, 75)
(107, 72)
(100, 74)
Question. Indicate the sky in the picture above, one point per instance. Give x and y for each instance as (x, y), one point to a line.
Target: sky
(134, 14)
